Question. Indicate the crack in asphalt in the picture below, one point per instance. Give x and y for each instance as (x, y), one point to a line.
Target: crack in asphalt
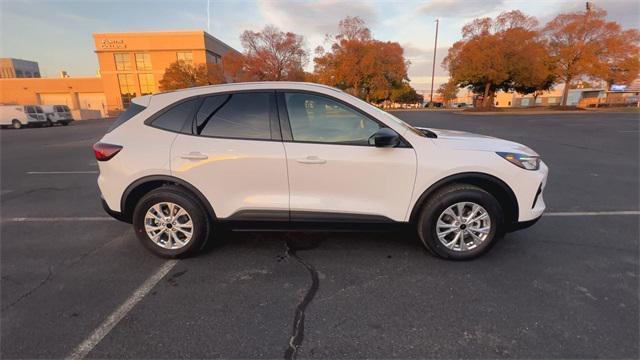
(31, 291)
(65, 263)
(297, 335)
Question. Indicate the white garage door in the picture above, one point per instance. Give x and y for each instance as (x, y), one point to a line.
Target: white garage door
(56, 99)
(93, 101)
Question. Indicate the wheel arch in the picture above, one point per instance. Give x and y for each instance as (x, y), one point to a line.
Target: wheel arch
(136, 190)
(493, 185)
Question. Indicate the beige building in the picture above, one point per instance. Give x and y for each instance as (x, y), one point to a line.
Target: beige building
(130, 65)
(17, 68)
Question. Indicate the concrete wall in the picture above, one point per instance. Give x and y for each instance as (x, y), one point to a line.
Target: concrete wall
(51, 91)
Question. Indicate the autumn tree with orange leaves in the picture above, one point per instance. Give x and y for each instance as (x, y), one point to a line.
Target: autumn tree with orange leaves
(180, 75)
(361, 65)
(585, 44)
(505, 53)
(269, 55)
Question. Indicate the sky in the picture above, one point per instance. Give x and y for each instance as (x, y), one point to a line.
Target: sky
(57, 33)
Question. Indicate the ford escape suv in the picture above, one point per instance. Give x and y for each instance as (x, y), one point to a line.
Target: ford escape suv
(179, 165)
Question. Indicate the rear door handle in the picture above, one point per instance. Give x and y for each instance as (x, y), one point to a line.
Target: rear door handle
(311, 160)
(194, 155)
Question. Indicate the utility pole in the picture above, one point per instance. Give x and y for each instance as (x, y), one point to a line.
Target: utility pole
(433, 67)
(209, 16)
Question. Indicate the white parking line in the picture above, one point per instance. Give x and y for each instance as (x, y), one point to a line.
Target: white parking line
(112, 320)
(57, 219)
(60, 172)
(592, 213)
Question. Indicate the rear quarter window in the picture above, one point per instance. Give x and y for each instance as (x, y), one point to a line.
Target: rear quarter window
(132, 110)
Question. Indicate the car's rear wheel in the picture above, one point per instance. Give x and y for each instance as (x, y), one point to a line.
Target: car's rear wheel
(171, 222)
(16, 124)
(460, 222)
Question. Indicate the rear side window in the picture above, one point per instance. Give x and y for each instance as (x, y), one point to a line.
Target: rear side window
(132, 110)
(174, 118)
(240, 116)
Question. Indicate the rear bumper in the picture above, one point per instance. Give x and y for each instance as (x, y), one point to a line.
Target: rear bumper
(114, 214)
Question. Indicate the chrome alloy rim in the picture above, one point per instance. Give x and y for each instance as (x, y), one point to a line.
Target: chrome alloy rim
(168, 225)
(463, 226)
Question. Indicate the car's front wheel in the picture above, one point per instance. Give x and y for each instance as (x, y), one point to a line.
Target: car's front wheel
(460, 222)
(171, 222)
(16, 124)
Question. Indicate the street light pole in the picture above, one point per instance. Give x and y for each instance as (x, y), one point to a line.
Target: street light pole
(433, 67)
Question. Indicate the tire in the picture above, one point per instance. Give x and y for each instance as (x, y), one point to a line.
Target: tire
(445, 203)
(49, 123)
(65, 123)
(16, 124)
(165, 246)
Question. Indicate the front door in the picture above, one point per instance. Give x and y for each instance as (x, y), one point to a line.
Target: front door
(334, 173)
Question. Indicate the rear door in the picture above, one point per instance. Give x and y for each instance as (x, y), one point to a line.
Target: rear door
(234, 155)
(334, 173)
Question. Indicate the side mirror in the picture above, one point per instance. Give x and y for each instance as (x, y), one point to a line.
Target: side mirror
(385, 137)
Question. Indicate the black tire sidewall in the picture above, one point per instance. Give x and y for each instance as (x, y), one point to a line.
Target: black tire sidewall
(441, 203)
(201, 225)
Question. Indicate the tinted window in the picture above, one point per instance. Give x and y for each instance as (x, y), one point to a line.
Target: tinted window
(320, 119)
(174, 118)
(244, 115)
(131, 111)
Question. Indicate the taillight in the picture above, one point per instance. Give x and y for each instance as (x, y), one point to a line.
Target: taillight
(104, 151)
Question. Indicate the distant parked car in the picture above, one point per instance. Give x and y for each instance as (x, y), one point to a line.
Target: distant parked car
(17, 116)
(57, 114)
(434, 104)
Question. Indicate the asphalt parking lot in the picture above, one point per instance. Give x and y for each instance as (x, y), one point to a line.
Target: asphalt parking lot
(566, 288)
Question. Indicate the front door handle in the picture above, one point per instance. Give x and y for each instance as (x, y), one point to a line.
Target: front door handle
(194, 155)
(311, 160)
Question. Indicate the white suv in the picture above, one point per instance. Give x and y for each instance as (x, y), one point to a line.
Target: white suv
(288, 155)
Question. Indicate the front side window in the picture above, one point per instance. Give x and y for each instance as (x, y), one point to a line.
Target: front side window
(122, 62)
(127, 89)
(147, 84)
(175, 118)
(242, 116)
(316, 118)
(186, 57)
(143, 61)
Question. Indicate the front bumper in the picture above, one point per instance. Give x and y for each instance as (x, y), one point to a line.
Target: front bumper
(523, 224)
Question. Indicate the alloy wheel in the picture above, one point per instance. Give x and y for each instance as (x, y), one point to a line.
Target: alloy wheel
(168, 225)
(463, 226)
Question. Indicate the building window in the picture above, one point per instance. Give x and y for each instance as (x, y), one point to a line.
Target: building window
(187, 57)
(19, 73)
(143, 61)
(213, 58)
(147, 84)
(122, 62)
(127, 89)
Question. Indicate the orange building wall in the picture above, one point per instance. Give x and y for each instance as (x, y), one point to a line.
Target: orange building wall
(29, 90)
(161, 47)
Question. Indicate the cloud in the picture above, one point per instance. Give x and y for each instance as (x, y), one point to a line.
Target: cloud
(625, 12)
(316, 19)
(460, 8)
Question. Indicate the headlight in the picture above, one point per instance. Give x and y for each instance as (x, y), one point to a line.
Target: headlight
(529, 162)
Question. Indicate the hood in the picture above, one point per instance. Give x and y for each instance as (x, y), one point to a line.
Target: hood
(461, 140)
